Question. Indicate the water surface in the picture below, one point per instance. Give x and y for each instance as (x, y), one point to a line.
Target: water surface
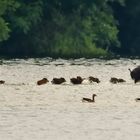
(56, 112)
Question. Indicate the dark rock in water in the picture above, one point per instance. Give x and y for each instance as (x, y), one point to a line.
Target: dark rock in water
(135, 74)
(58, 80)
(109, 64)
(59, 64)
(42, 81)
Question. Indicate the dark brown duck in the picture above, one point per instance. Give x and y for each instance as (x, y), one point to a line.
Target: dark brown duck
(89, 100)
(58, 80)
(42, 81)
(77, 80)
(2, 82)
(93, 79)
(116, 80)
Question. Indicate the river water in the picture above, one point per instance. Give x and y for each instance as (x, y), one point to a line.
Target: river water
(56, 112)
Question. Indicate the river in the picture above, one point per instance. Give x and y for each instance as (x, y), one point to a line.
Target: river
(56, 112)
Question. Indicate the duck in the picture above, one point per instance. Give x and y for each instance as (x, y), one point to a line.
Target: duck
(89, 100)
(2, 81)
(93, 79)
(116, 80)
(58, 80)
(113, 80)
(120, 80)
(137, 99)
(42, 81)
(77, 80)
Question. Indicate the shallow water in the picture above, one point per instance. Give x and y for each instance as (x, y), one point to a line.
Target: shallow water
(56, 112)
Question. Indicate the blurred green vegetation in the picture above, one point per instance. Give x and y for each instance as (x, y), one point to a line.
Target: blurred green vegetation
(69, 29)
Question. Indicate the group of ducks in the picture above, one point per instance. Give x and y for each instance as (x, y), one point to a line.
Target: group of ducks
(76, 81)
(79, 80)
(135, 75)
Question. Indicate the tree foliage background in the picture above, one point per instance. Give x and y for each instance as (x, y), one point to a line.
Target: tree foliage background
(76, 28)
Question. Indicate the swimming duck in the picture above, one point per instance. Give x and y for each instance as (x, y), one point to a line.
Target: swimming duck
(89, 100)
(2, 82)
(58, 80)
(77, 80)
(93, 79)
(42, 81)
(137, 99)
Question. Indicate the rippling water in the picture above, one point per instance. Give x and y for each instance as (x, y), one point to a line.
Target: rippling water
(55, 112)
